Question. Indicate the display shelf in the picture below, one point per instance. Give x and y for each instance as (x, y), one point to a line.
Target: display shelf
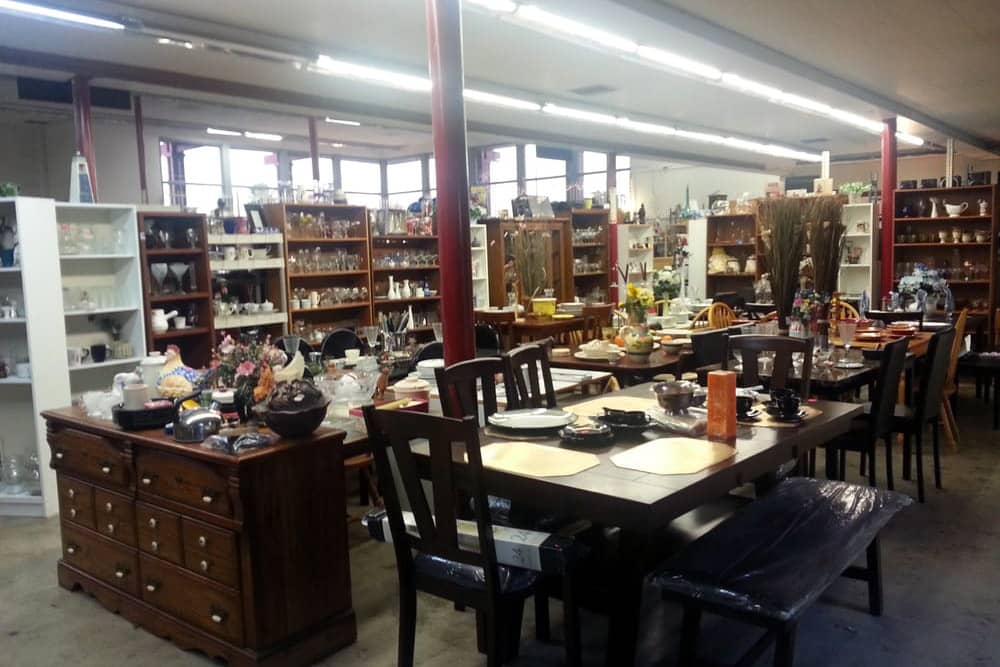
(732, 275)
(245, 239)
(12, 320)
(948, 219)
(99, 311)
(14, 380)
(726, 234)
(109, 363)
(323, 239)
(96, 257)
(404, 237)
(552, 233)
(943, 245)
(861, 236)
(188, 229)
(12, 270)
(217, 265)
(251, 280)
(480, 267)
(250, 320)
(425, 267)
(326, 274)
(855, 266)
(590, 234)
(412, 299)
(354, 305)
(385, 243)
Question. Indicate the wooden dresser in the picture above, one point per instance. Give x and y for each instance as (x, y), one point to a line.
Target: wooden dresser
(242, 557)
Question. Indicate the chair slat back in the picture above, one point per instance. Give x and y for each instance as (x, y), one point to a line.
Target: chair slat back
(720, 315)
(501, 320)
(956, 348)
(522, 367)
(750, 348)
(891, 361)
(337, 341)
(708, 347)
(934, 375)
(594, 318)
(891, 316)
(459, 387)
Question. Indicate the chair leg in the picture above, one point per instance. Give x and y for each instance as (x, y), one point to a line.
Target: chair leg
(872, 481)
(363, 485)
(495, 638)
(842, 466)
(951, 424)
(571, 623)
(407, 625)
(874, 558)
(919, 452)
(510, 625)
(935, 444)
(543, 629)
(784, 649)
(890, 484)
(863, 463)
(907, 458)
(689, 635)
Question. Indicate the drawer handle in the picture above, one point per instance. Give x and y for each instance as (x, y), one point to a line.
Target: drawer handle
(152, 586)
(71, 548)
(111, 527)
(203, 565)
(121, 572)
(72, 512)
(108, 507)
(59, 455)
(154, 545)
(219, 616)
(71, 493)
(106, 469)
(152, 523)
(147, 479)
(208, 497)
(202, 541)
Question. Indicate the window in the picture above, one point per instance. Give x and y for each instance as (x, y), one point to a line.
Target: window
(595, 173)
(544, 177)
(623, 169)
(404, 183)
(503, 178)
(253, 175)
(192, 175)
(362, 182)
(302, 173)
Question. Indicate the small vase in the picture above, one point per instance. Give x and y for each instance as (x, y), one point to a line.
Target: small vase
(796, 329)
(638, 341)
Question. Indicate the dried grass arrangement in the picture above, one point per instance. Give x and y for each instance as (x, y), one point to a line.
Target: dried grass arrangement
(783, 229)
(825, 233)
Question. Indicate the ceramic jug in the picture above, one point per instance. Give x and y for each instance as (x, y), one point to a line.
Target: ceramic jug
(160, 320)
(406, 292)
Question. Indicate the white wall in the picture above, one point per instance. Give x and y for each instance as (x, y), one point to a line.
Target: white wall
(661, 186)
(21, 162)
(926, 166)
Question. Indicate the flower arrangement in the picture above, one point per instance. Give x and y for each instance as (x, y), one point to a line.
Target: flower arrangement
(246, 367)
(666, 283)
(638, 301)
(923, 278)
(856, 187)
(807, 305)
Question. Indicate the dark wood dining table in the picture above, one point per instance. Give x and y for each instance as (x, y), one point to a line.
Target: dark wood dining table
(627, 369)
(527, 329)
(643, 504)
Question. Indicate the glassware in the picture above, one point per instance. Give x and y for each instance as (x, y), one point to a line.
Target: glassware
(158, 272)
(846, 329)
(438, 329)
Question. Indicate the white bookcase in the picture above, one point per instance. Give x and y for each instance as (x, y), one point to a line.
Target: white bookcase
(859, 219)
(274, 278)
(634, 244)
(480, 268)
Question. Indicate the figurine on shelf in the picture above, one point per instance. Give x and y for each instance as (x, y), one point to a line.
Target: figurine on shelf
(984, 207)
(176, 379)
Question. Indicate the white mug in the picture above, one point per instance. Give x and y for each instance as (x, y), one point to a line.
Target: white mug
(180, 322)
(352, 355)
(134, 396)
(229, 253)
(246, 253)
(76, 355)
(23, 370)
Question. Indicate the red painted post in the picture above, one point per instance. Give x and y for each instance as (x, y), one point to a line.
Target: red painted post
(444, 44)
(140, 145)
(888, 206)
(314, 148)
(81, 122)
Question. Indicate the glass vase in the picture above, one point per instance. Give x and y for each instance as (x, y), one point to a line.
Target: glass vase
(638, 340)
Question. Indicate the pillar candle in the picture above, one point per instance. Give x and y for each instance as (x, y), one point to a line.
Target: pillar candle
(722, 404)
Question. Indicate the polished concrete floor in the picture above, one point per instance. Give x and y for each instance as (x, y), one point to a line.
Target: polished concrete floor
(942, 583)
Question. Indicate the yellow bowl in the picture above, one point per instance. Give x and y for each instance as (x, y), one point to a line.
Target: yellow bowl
(543, 306)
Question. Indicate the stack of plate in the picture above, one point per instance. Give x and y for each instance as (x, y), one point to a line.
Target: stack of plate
(425, 368)
(572, 308)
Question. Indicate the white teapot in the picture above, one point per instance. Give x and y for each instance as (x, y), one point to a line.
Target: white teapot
(160, 319)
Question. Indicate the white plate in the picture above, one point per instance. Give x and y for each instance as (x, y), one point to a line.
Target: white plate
(850, 364)
(533, 418)
(596, 357)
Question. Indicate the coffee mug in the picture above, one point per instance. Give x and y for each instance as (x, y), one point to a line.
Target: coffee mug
(743, 405)
(77, 355)
(23, 369)
(246, 253)
(352, 355)
(229, 253)
(134, 396)
(180, 322)
(99, 353)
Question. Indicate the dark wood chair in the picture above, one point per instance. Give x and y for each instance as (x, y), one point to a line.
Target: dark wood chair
(489, 342)
(501, 320)
(339, 340)
(459, 387)
(434, 560)
(289, 344)
(888, 317)
(595, 318)
(750, 348)
(523, 367)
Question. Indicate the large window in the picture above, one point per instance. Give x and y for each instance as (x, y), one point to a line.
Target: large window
(191, 175)
(302, 173)
(544, 176)
(253, 175)
(404, 183)
(503, 178)
(595, 173)
(362, 182)
(623, 170)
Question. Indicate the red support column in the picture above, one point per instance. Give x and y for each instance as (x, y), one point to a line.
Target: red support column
(81, 122)
(888, 206)
(314, 148)
(140, 145)
(444, 44)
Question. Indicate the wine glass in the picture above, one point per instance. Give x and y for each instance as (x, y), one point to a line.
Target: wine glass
(846, 329)
(177, 270)
(438, 329)
(158, 272)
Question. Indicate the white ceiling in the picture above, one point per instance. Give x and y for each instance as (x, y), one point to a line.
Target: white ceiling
(503, 57)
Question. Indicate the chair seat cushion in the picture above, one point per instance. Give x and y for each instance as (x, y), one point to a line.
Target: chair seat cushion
(777, 555)
(513, 580)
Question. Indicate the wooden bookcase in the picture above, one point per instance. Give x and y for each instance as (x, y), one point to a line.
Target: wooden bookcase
(558, 254)
(407, 257)
(738, 236)
(592, 262)
(174, 239)
(255, 278)
(968, 264)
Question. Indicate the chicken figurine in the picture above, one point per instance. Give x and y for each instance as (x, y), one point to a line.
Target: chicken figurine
(176, 379)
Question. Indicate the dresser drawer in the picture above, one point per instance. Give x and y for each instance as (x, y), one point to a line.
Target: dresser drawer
(183, 480)
(114, 515)
(89, 455)
(76, 501)
(211, 552)
(159, 532)
(184, 595)
(102, 558)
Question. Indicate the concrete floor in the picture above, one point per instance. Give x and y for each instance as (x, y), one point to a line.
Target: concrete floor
(942, 585)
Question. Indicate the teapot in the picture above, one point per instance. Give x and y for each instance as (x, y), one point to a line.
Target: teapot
(160, 319)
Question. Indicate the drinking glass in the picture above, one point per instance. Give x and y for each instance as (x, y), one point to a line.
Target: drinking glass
(846, 329)
(438, 329)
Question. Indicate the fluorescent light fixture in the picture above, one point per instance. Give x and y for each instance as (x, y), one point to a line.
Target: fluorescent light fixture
(164, 40)
(646, 128)
(856, 120)
(747, 86)
(373, 74)
(263, 136)
(224, 133)
(910, 139)
(59, 15)
(554, 23)
(503, 6)
(806, 103)
(703, 137)
(341, 121)
(499, 100)
(337, 144)
(677, 62)
(579, 114)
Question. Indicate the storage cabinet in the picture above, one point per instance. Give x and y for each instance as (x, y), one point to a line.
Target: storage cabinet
(241, 557)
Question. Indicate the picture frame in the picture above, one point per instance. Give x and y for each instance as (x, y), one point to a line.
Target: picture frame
(256, 219)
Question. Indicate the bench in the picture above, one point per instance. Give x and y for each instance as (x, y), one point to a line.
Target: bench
(771, 560)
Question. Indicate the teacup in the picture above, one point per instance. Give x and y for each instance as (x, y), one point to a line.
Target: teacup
(743, 405)
(267, 307)
(352, 355)
(955, 210)
(77, 355)
(259, 253)
(229, 253)
(786, 401)
(251, 307)
(180, 322)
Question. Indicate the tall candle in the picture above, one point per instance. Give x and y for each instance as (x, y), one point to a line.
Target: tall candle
(722, 404)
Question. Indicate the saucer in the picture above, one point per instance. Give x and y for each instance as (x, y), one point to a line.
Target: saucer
(751, 416)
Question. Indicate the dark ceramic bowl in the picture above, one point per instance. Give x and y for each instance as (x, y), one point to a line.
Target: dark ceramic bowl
(674, 397)
(295, 423)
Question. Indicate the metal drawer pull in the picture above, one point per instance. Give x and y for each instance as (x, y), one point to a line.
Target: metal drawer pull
(108, 507)
(202, 541)
(147, 481)
(207, 498)
(154, 545)
(111, 527)
(71, 493)
(71, 549)
(59, 455)
(106, 469)
(120, 572)
(218, 616)
(72, 512)
(152, 586)
(204, 566)
(152, 523)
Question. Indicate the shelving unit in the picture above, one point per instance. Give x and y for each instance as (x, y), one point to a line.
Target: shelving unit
(422, 276)
(254, 274)
(553, 233)
(37, 338)
(632, 246)
(100, 267)
(172, 240)
(480, 268)
(969, 265)
(591, 254)
(735, 235)
(861, 233)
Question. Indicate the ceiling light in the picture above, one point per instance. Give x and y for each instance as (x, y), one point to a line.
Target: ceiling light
(677, 62)
(59, 15)
(554, 23)
(747, 86)
(225, 133)
(806, 103)
(373, 74)
(910, 139)
(500, 100)
(646, 128)
(164, 40)
(856, 120)
(579, 114)
(341, 121)
(263, 136)
(504, 6)
(337, 144)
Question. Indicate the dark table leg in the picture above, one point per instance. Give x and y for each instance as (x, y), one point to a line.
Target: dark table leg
(996, 401)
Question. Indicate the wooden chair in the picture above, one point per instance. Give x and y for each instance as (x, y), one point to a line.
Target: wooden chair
(720, 315)
(337, 341)
(459, 386)
(700, 320)
(522, 368)
(888, 317)
(950, 384)
(501, 320)
(845, 311)
(750, 347)
(434, 560)
(595, 318)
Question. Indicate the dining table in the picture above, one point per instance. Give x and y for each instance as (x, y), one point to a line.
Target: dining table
(643, 504)
(627, 369)
(527, 329)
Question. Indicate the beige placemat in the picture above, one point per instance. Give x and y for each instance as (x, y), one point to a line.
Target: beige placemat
(528, 458)
(764, 419)
(596, 406)
(674, 456)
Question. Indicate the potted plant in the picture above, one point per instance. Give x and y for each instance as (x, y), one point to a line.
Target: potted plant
(855, 190)
(783, 231)
(638, 301)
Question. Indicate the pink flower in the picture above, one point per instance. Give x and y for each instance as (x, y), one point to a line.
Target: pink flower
(246, 368)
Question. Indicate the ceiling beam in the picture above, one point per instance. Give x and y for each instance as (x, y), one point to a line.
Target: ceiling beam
(681, 19)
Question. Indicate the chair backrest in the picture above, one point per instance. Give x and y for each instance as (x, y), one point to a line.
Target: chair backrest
(290, 343)
(501, 320)
(732, 299)
(339, 340)
(996, 329)
(523, 366)
(750, 347)
(459, 386)
(594, 318)
(394, 430)
(488, 341)
(892, 316)
(431, 350)
(700, 320)
(956, 349)
(720, 315)
(708, 347)
(891, 360)
(846, 311)
(935, 373)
